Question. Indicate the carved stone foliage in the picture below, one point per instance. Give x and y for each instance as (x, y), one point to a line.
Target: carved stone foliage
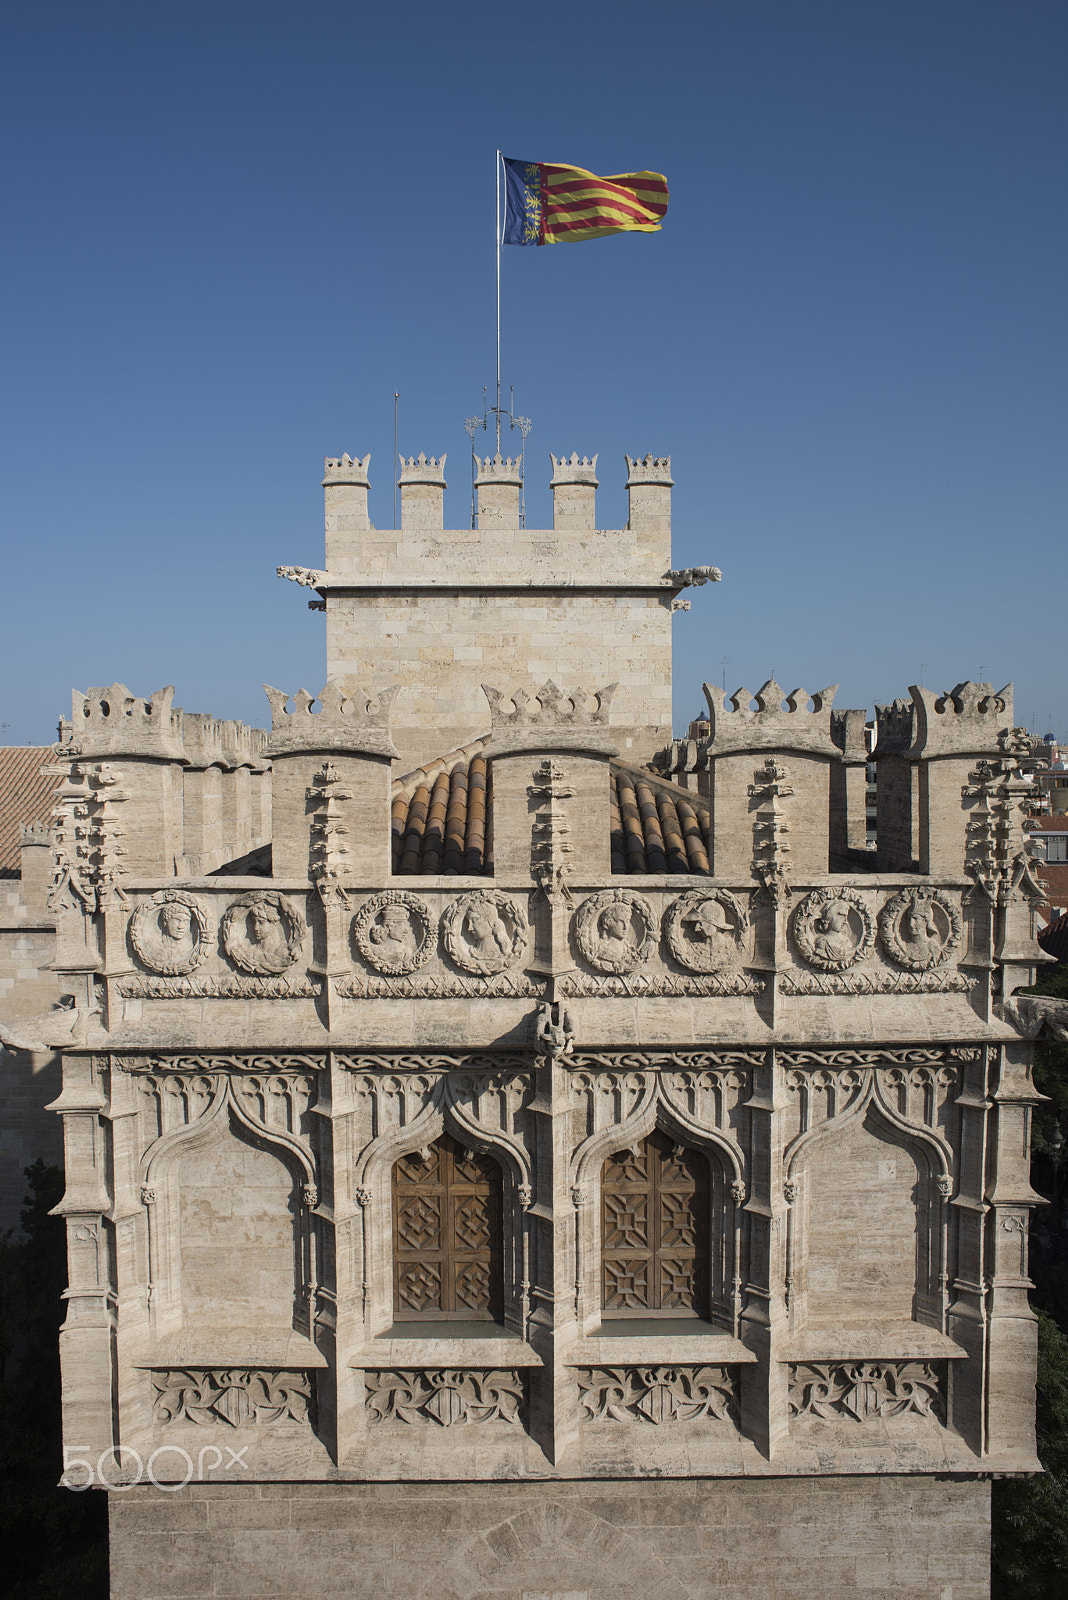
(833, 929)
(516, 985)
(172, 932)
(263, 932)
(657, 1394)
(222, 986)
(444, 1397)
(882, 981)
(485, 932)
(705, 932)
(862, 1390)
(724, 982)
(231, 1395)
(394, 932)
(615, 930)
(920, 928)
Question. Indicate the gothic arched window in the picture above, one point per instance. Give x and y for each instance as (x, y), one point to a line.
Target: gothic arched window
(654, 1230)
(447, 1239)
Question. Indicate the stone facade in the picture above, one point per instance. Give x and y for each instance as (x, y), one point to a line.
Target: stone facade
(643, 1212)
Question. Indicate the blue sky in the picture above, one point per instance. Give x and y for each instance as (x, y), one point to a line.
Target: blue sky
(232, 230)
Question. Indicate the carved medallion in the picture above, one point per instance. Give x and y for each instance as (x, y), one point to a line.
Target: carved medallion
(920, 928)
(484, 932)
(616, 930)
(172, 932)
(393, 932)
(706, 930)
(263, 932)
(833, 929)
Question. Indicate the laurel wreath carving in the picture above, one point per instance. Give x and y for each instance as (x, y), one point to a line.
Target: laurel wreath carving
(370, 934)
(147, 938)
(243, 951)
(599, 951)
(712, 955)
(919, 952)
(505, 929)
(815, 942)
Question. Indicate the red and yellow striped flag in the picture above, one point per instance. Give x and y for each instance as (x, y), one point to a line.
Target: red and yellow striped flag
(550, 203)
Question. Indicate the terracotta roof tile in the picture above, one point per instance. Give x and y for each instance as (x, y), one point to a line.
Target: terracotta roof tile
(25, 796)
(441, 814)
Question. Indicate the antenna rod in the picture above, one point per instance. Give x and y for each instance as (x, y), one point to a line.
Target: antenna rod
(396, 404)
(498, 168)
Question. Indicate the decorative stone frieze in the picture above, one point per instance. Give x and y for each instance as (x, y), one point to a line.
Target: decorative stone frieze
(394, 932)
(615, 931)
(263, 932)
(485, 932)
(655, 984)
(447, 1398)
(657, 1394)
(226, 986)
(864, 1390)
(513, 985)
(231, 1395)
(882, 981)
(705, 932)
(920, 928)
(833, 929)
(172, 933)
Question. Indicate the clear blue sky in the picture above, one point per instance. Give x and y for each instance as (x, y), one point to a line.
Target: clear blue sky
(231, 230)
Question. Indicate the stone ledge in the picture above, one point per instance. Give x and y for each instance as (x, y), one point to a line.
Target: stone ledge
(231, 1347)
(872, 1341)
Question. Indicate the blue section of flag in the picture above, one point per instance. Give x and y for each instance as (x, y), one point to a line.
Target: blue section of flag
(522, 207)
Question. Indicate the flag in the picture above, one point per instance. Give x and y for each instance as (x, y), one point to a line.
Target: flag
(548, 203)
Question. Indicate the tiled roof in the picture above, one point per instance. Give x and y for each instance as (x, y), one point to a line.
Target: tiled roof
(25, 796)
(440, 815)
(656, 826)
(1054, 938)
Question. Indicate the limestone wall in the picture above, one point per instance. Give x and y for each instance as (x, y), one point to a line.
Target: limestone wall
(704, 1539)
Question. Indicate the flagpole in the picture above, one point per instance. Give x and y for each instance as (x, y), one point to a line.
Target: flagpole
(498, 407)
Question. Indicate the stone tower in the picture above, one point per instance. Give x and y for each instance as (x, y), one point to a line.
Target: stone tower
(557, 1176)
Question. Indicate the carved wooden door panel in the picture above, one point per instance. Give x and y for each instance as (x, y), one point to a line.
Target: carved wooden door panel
(447, 1256)
(654, 1230)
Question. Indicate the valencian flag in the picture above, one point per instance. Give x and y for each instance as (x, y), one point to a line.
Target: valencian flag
(548, 203)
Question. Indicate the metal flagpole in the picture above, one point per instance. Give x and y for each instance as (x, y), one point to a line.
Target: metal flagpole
(498, 407)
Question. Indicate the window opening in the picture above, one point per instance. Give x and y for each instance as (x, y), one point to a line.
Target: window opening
(447, 1246)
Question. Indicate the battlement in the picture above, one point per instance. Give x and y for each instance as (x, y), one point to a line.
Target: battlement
(498, 469)
(114, 722)
(346, 469)
(549, 720)
(779, 721)
(34, 833)
(650, 469)
(421, 469)
(357, 723)
(573, 469)
(968, 719)
(894, 727)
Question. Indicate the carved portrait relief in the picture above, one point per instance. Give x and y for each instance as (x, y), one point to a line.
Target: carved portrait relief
(172, 932)
(920, 928)
(616, 930)
(833, 929)
(393, 932)
(263, 932)
(484, 932)
(706, 931)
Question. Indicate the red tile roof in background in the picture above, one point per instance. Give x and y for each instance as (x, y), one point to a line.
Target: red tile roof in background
(1054, 938)
(25, 796)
